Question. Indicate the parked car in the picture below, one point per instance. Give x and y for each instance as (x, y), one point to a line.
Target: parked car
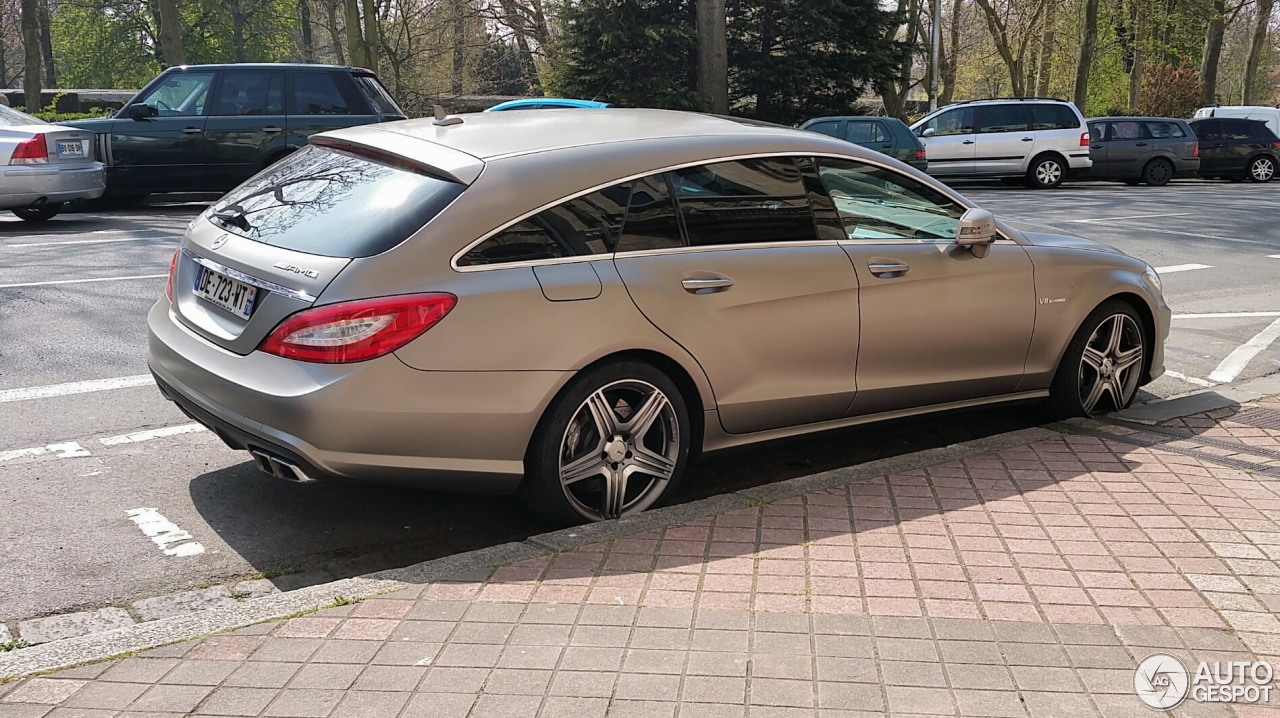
(1142, 149)
(887, 135)
(46, 166)
(207, 128)
(1268, 114)
(1038, 141)
(548, 103)
(574, 310)
(1236, 149)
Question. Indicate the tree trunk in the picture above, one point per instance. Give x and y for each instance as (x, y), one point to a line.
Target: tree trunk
(1087, 43)
(1212, 53)
(237, 31)
(459, 46)
(171, 33)
(1256, 50)
(335, 37)
(46, 46)
(1000, 35)
(1047, 42)
(355, 40)
(713, 62)
(1137, 40)
(949, 66)
(372, 43)
(764, 103)
(31, 53)
(308, 43)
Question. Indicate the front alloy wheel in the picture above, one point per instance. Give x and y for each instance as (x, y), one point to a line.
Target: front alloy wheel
(1262, 169)
(1103, 365)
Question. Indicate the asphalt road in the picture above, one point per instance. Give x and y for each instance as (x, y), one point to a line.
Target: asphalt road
(64, 516)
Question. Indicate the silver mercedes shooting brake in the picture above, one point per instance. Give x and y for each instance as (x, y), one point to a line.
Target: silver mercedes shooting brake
(571, 305)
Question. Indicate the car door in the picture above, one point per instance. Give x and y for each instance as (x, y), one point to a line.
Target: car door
(1213, 151)
(166, 151)
(1098, 148)
(245, 125)
(1238, 144)
(319, 100)
(1128, 148)
(768, 309)
(938, 324)
(871, 134)
(1005, 139)
(949, 141)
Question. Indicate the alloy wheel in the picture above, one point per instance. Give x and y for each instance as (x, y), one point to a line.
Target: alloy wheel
(619, 450)
(1262, 169)
(1111, 365)
(1048, 173)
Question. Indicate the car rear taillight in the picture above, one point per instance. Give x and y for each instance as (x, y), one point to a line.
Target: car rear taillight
(31, 152)
(357, 331)
(173, 269)
(1275, 145)
(919, 154)
(1195, 150)
(1084, 139)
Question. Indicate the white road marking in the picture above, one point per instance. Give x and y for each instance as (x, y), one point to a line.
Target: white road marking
(19, 453)
(1181, 268)
(75, 387)
(67, 450)
(166, 534)
(1227, 315)
(1238, 359)
(1273, 256)
(137, 436)
(93, 241)
(1200, 236)
(1132, 216)
(82, 281)
(1188, 379)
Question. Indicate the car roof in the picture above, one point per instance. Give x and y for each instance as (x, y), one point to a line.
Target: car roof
(1136, 119)
(561, 101)
(266, 66)
(852, 118)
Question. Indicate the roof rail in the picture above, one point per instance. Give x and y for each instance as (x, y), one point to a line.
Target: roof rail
(992, 99)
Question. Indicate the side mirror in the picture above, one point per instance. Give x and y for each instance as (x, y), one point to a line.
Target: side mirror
(142, 112)
(977, 231)
(928, 132)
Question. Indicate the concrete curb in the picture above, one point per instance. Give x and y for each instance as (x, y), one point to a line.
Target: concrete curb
(1201, 401)
(473, 565)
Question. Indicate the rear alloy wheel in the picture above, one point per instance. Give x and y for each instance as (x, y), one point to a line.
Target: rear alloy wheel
(1262, 169)
(1045, 173)
(1103, 365)
(33, 214)
(1157, 173)
(612, 445)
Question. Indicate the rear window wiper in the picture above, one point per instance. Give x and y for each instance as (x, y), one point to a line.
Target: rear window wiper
(234, 216)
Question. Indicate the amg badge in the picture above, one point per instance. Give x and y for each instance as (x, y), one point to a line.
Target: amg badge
(313, 274)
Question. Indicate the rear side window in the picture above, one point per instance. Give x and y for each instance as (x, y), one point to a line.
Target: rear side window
(829, 128)
(315, 93)
(864, 132)
(580, 227)
(651, 221)
(1237, 130)
(1053, 117)
(1126, 130)
(1002, 118)
(377, 96)
(1165, 130)
(743, 202)
(1097, 131)
(250, 93)
(326, 202)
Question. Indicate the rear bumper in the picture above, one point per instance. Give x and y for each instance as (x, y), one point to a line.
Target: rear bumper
(378, 421)
(21, 185)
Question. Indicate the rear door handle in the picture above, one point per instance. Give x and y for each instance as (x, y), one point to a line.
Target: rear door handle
(1142, 144)
(191, 131)
(884, 268)
(707, 285)
(272, 130)
(967, 142)
(1028, 139)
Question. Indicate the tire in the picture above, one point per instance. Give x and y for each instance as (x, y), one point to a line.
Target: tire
(1046, 172)
(1099, 372)
(1262, 168)
(39, 215)
(571, 443)
(1157, 173)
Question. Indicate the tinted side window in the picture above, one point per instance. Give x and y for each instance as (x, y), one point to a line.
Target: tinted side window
(1126, 130)
(878, 204)
(1237, 130)
(250, 93)
(1207, 130)
(864, 132)
(315, 93)
(951, 122)
(579, 227)
(1002, 118)
(743, 202)
(1097, 131)
(1165, 130)
(376, 95)
(651, 221)
(1053, 117)
(830, 127)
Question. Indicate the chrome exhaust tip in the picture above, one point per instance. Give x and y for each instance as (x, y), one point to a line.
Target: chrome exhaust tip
(280, 468)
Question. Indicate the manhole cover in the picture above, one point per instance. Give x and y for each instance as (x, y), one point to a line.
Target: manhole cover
(1261, 418)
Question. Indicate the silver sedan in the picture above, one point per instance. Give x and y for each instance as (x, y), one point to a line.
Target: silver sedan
(45, 166)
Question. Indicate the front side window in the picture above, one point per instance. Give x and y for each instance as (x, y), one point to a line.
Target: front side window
(1165, 130)
(878, 204)
(864, 133)
(1053, 117)
(951, 122)
(586, 225)
(1003, 118)
(181, 94)
(250, 93)
(315, 93)
(1208, 130)
(1126, 130)
(743, 202)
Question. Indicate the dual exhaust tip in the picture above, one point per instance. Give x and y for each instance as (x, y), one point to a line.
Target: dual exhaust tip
(280, 467)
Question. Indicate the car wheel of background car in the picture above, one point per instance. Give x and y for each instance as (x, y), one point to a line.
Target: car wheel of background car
(1157, 173)
(1046, 172)
(613, 443)
(1262, 169)
(39, 214)
(1103, 365)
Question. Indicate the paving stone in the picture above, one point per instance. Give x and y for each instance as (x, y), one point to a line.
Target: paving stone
(962, 652)
(714, 689)
(46, 691)
(622, 708)
(768, 665)
(371, 704)
(935, 701)
(231, 701)
(171, 699)
(583, 684)
(255, 588)
(303, 703)
(151, 609)
(979, 676)
(776, 692)
(844, 695)
(5, 636)
(1033, 654)
(439, 705)
(140, 670)
(997, 704)
(853, 670)
(563, 707)
(70, 625)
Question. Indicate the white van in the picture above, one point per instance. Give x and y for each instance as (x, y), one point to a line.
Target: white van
(1269, 115)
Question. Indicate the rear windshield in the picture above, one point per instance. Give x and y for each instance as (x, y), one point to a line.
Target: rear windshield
(377, 96)
(10, 117)
(327, 202)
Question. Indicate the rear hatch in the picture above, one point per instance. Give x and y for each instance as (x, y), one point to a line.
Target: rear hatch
(271, 246)
(62, 145)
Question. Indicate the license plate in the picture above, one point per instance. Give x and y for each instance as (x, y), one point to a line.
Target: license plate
(71, 149)
(233, 296)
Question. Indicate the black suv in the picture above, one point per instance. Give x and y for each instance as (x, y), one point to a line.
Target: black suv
(207, 128)
(1235, 149)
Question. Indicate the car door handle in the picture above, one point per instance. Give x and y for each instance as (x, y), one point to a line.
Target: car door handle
(1142, 144)
(881, 269)
(707, 285)
(967, 142)
(272, 130)
(1095, 147)
(887, 145)
(192, 131)
(1028, 139)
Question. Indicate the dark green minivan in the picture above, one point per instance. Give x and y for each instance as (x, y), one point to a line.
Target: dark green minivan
(207, 128)
(887, 135)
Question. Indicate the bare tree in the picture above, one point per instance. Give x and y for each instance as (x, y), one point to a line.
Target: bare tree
(355, 39)
(1087, 45)
(1212, 51)
(1012, 29)
(371, 41)
(308, 43)
(171, 33)
(951, 57)
(335, 36)
(713, 57)
(46, 46)
(1047, 47)
(1262, 23)
(31, 53)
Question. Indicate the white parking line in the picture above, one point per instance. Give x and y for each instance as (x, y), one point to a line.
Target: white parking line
(1238, 359)
(1132, 216)
(1273, 256)
(172, 540)
(75, 387)
(94, 241)
(1188, 379)
(68, 450)
(137, 436)
(1227, 315)
(82, 281)
(1199, 236)
(1182, 268)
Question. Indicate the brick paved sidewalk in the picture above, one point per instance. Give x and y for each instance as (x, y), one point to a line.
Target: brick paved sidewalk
(1027, 582)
